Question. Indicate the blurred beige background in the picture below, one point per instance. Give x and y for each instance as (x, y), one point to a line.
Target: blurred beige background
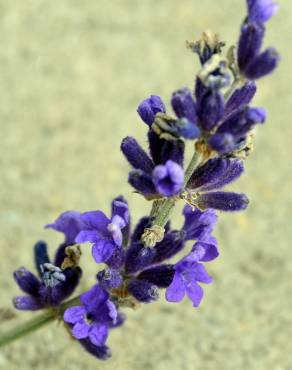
(71, 76)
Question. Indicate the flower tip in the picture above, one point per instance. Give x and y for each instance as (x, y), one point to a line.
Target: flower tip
(149, 107)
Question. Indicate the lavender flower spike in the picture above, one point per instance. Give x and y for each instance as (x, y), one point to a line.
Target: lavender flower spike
(218, 119)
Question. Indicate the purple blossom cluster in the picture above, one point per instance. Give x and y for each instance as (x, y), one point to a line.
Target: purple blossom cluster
(218, 119)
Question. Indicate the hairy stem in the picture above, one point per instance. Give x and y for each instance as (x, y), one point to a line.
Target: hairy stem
(36, 322)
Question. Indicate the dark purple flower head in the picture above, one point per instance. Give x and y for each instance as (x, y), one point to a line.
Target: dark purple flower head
(69, 223)
(172, 243)
(253, 64)
(168, 179)
(210, 110)
(161, 275)
(184, 105)
(168, 157)
(149, 108)
(235, 128)
(223, 201)
(93, 318)
(263, 64)
(240, 98)
(109, 278)
(138, 257)
(250, 43)
(260, 11)
(216, 173)
(143, 290)
(142, 182)
(105, 234)
(136, 156)
(52, 286)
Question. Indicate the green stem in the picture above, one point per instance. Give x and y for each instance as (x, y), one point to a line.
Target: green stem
(164, 212)
(36, 323)
(26, 328)
(194, 163)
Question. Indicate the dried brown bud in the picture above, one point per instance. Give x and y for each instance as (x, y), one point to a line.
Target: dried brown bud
(73, 253)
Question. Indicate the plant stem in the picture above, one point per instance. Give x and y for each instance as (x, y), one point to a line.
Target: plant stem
(164, 212)
(26, 328)
(195, 161)
(36, 323)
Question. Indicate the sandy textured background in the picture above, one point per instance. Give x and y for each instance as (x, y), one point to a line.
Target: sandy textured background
(71, 75)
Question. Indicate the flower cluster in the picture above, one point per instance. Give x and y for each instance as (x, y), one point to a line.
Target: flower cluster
(52, 286)
(135, 266)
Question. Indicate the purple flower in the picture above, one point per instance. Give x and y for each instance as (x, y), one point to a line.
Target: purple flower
(166, 155)
(105, 234)
(168, 179)
(184, 107)
(235, 127)
(69, 223)
(210, 109)
(252, 63)
(109, 278)
(172, 243)
(188, 272)
(51, 287)
(198, 224)
(143, 290)
(136, 156)
(240, 98)
(149, 108)
(161, 275)
(216, 174)
(260, 11)
(223, 201)
(138, 257)
(263, 64)
(161, 150)
(205, 250)
(93, 318)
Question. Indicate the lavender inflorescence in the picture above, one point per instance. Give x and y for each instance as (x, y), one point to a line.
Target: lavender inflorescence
(216, 117)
